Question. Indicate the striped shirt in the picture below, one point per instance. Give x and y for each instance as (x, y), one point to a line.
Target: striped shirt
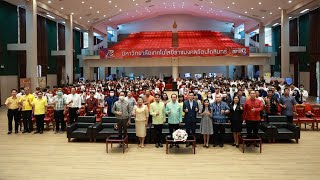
(60, 102)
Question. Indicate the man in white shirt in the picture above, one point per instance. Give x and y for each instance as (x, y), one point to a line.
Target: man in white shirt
(132, 102)
(74, 103)
(303, 94)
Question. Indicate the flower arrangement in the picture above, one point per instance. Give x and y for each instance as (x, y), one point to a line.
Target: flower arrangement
(180, 135)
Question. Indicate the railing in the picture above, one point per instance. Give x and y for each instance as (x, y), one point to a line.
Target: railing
(87, 52)
(266, 49)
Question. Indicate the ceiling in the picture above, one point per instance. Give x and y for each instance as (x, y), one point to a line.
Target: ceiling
(102, 13)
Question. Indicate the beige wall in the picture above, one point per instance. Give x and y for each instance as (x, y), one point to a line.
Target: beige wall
(305, 80)
(6, 84)
(51, 80)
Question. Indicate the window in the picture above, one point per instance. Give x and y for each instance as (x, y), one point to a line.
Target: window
(85, 40)
(268, 36)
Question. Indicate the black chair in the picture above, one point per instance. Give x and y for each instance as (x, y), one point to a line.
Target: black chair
(284, 129)
(82, 129)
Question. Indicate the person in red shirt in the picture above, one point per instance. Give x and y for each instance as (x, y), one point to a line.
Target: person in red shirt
(251, 115)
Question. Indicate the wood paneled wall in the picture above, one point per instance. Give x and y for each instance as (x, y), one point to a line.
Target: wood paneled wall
(42, 44)
(314, 48)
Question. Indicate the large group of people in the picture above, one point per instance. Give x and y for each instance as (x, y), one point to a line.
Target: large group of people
(218, 101)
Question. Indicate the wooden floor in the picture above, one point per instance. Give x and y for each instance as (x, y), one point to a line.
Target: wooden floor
(50, 156)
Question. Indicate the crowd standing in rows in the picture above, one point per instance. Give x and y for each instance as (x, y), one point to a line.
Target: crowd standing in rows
(217, 101)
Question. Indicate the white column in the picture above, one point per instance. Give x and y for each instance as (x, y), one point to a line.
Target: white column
(262, 41)
(246, 40)
(285, 54)
(32, 50)
(69, 49)
(102, 73)
(90, 40)
(175, 73)
(250, 71)
(105, 41)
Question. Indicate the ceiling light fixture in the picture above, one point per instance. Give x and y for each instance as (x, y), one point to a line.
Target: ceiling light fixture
(228, 7)
(289, 1)
(246, 12)
(252, 8)
(61, 8)
(110, 1)
(50, 16)
(290, 17)
(104, 15)
(262, 17)
(98, 12)
(80, 17)
(90, 7)
(72, 13)
(233, 3)
(260, 3)
(115, 6)
(49, 2)
(276, 24)
(82, 2)
(77, 28)
(279, 8)
(270, 12)
(88, 21)
(304, 11)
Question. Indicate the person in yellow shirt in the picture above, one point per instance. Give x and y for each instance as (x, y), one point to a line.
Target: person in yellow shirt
(12, 104)
(40, 107)
(25, 103)
(157, 111)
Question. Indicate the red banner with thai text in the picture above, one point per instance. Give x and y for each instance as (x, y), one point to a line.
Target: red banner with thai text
(172, 52)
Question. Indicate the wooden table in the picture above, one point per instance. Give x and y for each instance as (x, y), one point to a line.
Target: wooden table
(244, 140)
(191, 139)
(115, 139)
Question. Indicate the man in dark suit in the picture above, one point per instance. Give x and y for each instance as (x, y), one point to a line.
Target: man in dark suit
(190, 108)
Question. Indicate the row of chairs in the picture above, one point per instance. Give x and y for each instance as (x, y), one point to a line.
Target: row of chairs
(306, 116)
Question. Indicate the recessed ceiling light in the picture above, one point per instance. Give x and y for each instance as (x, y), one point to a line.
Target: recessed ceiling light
(80, 17)
(252, 8)
(233, 3)
(239, 16)
(115, 6)
(88, 21)
(61, 8)
(77, 28)
(110, 19)
(82, 2)
(211, 2)
(270, 12)
(304, 11)
(49, 2)
(72, 13)
(246, 12)
(262, 17)
(289, 1)
(228, 7)
(104, 15)
(290, 17)
(279, 7)
(98, 12)
(120, 9)
(110, 1)
(276, 24)
(260, 3)
(90, 7)
(137, 4)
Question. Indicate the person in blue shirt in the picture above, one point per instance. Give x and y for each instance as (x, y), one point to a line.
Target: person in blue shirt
(219, 110)
(110, 102)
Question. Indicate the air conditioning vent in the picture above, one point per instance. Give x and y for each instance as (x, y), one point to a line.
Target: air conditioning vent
(262, 10)
(88, 15)
(254, 15)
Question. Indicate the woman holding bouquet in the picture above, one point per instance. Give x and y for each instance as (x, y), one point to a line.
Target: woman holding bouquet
(206, 126)
(141, 114)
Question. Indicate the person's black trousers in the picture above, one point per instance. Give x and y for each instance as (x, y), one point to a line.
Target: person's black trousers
(40, 122)
(13, 114)
(172, 128)
(191, 127)
(252, 129)
(122, 125)
(290, 119)
(73, 115)
(219, 132)
(59, 118)
(158, 133)
(27, 121)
